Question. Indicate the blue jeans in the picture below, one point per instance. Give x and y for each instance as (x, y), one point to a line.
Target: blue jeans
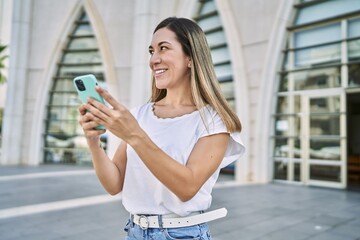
(197, 232)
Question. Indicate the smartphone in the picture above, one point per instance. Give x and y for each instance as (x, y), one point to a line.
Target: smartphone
(85, 86)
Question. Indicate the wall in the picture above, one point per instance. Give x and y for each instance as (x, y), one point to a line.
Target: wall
(260, 27)
(255, 31)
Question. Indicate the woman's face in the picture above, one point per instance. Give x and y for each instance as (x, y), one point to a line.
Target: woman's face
(168, 62)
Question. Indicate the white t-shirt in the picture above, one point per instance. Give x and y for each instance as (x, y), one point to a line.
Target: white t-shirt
(142, 192)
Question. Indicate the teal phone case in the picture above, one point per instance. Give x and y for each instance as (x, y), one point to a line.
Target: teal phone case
(85, 86)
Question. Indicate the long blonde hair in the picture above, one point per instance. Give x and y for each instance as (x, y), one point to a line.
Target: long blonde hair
(204, 85)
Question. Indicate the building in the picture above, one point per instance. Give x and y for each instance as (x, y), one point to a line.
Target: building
(289, 68)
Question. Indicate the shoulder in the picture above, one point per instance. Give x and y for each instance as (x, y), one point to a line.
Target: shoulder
(211, 122)
(210, 116)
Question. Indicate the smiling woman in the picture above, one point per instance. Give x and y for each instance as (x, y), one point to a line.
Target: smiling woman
(173, 147)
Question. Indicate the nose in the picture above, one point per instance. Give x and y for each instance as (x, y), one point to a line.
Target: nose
(154, 59)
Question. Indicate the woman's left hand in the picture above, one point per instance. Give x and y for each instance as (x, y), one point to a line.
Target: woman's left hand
(117, 119)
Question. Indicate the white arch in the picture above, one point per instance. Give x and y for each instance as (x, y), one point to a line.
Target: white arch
(273, 57)
(240, 82)
(187, 8)
(36, 145)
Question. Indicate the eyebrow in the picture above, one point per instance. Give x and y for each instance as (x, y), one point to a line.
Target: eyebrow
(160, 43)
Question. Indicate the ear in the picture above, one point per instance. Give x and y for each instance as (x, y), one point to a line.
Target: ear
(189, 63)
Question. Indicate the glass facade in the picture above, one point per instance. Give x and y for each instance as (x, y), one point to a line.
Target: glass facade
(321, 63)
(64, 141)
(209, 20)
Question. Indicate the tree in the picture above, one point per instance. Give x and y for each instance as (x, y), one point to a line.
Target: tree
(2, 63)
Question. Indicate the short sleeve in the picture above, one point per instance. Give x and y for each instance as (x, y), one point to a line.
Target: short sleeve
(215, 125)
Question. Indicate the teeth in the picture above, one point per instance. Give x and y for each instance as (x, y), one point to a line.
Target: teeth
(159, 71)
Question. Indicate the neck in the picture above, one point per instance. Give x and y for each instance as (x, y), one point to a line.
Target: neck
(176, 99)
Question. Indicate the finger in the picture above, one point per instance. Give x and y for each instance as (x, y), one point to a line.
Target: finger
(90, 128)
(97, 111)
(82, 109)
(100, 106)
(96, 120)
(108, 97)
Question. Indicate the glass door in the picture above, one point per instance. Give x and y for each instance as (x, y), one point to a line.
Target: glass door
(324, 140)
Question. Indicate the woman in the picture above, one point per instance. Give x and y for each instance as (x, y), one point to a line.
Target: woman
(173, 147)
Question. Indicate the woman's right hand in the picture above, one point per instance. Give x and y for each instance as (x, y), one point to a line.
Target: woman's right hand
(88, 125)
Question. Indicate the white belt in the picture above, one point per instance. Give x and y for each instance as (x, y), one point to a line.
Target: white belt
(146, 222)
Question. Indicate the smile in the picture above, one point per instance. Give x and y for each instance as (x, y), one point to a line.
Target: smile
(159, 71)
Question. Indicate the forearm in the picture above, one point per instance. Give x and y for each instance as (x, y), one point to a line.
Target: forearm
(106, 170)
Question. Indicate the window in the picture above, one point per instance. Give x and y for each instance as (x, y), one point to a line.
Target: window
(322, 55)
(209, 20)
(63, 140)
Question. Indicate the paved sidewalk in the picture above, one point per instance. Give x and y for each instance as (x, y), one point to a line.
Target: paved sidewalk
(67, 202)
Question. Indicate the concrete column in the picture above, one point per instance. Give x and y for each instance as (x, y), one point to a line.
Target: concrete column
(242, 169)
(263, 163)
(17, 83)
(145, 20)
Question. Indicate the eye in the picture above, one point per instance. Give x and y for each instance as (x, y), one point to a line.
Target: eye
(151, 51)
(163, 48)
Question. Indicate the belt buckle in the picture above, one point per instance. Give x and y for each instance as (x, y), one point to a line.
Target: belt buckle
(144, 222)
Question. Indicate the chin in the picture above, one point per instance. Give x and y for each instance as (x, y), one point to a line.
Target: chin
(160, 85)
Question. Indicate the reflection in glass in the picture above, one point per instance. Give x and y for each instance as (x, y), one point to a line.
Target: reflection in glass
(79, 70)
(64, 112)
(297, 148)
(81, 43)
(297, 172)
(209, 23)
(62, 129)
(64, 84)
(325, 125)
(223, 71)
(318, 55)
(64, 99)
(231, 103)
(325, 10)
(318, 35)
(354, 75)
(286, 64)
(283, 83)
(325, 105)
(216, 38)
(354, 50)
(81, 57)
(324, 149)
(281, 147)
(317, 78)
(220, 55)
(325, 173)
(83, 30)
(207, 7)
(297, 107)
(280, 170)
(354, 28)
(282, 126)
(227, 89)
(282, 105)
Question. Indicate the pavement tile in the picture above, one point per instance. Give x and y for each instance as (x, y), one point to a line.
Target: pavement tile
(255, 212)
(285, 234)
(331, 236)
